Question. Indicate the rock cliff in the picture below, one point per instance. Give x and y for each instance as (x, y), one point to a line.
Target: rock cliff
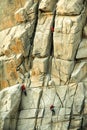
(43, 44)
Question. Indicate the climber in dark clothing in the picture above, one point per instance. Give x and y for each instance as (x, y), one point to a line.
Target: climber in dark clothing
(52, 109)
(23, 88)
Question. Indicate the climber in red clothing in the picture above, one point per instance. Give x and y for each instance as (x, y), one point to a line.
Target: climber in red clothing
(52, 109)
(23, 88)
(52, 29)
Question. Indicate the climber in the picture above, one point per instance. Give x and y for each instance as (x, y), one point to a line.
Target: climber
(52, 109)
(52, 29)
(23, 88)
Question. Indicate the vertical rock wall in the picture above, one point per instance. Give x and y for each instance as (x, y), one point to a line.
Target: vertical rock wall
(16, 45)
(47, 50)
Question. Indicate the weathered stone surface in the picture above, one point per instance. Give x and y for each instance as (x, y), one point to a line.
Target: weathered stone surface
(60, 94)
(42, 40)
(16, 41)
(48, 97)
(47, 5)
(76, 123)
(8, 73)
(28, 5)
(24, 124)
(32, 12)
(62, 98)
(21, 15)
(70, 7)
(85, 122)
(85, 31)
(79, 72)
(70, 93)
(61, 125)
(62, 69)
(67, 29)
(29, 109)
(46, 51)
(9, 105)
(46, 127)
(15, 44)
(32, 99)
(64, 114)
(10, 124)
(79, 99)
(27, 13)
(27, 114)
(7, 10)
(82, 50)
(72, 22)
(36, 81)
(85, 100)
(27, 80)
(39, 70)
(39, 66)
(3, 34)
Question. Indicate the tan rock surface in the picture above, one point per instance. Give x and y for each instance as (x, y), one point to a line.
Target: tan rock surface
(62, 69)
(70, 7)
(43, 46)
(7, 9)
(9, 105)
(82, 50)
(47, 5)
(80, 72)
(42, 38)
(67, 29)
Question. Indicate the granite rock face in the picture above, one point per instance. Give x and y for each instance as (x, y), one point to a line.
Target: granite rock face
(7, 9)
(43, 45)
(9, 105)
